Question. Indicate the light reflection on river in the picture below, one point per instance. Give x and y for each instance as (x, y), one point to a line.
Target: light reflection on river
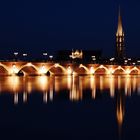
(75, 85)
(118, 87)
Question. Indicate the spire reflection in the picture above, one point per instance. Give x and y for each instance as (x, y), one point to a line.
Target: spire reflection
(120, 110)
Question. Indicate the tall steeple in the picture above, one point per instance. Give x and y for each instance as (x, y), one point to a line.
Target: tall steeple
(120, 48)
(120, 28)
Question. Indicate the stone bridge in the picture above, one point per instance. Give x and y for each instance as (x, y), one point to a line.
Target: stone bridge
(50, 68)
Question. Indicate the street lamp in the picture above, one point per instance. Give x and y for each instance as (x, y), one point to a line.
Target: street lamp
(51, 57)
(15, 54)
(24, 55)
(45, 55)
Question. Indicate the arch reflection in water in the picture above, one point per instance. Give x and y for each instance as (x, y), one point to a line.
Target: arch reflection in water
(76, 85)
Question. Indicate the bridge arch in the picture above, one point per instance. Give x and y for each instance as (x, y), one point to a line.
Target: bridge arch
(82, 69)
(29, 69)
(134, 70)
(101, 70)
(4, 69)
(119, 70)
(56, 69)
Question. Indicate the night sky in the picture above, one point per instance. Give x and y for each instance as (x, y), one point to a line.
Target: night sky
(32, 26)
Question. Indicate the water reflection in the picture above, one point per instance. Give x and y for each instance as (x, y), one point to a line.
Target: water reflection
(120, 110)
(74, 87)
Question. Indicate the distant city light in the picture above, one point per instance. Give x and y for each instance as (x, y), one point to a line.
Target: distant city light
(112, 59)
(45, 54)
(15, 53)
(24, 54)
(51, 56)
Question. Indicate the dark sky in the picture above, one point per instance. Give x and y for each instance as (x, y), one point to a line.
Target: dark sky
(33, 26)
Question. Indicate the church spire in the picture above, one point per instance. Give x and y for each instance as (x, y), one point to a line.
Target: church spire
(120, 47)
(120, 28)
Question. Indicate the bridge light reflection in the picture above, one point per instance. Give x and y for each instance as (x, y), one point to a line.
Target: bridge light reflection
(42, 70)
(93, 86)
(92, 71)
(77, 85)
(25, 97)
(110, 71)
(134, 84)
(69, 70)
(69, 82)
(101, 83)
(51, 92)
(56, 65)
(14, 83)
(127, 85)
(14, 69)
(112, 87)
(29, 64)
(16, 98)
(119, 67)
(101, 66)
(127, 71)
(45, 97)
(42, 81)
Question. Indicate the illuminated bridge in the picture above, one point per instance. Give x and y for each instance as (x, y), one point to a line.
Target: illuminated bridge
(50, 68)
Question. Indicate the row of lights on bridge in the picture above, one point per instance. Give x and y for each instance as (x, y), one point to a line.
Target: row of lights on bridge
(69, 71)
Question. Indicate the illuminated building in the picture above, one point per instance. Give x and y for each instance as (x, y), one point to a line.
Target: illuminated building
(76, 54)
(79, 55)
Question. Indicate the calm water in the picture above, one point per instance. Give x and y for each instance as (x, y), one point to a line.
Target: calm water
(68, 107)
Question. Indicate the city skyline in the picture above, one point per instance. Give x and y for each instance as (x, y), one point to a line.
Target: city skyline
(62, 26)
(69, 69)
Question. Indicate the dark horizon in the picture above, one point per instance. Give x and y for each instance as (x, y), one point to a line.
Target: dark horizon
(48, 26)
